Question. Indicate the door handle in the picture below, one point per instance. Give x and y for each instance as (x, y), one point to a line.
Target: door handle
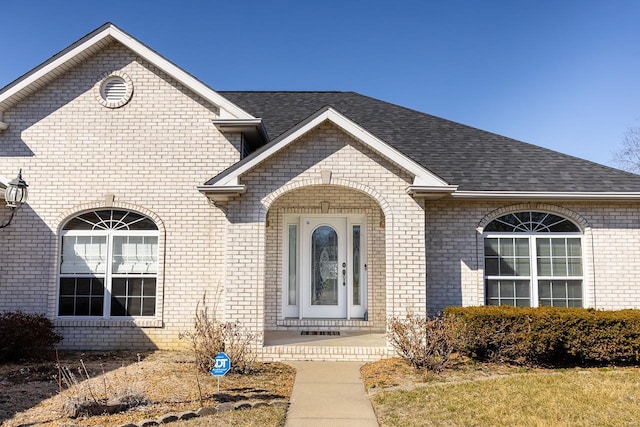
(344, 274)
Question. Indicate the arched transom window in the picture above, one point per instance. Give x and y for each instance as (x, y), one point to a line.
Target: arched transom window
(108, 265)
(533, 259)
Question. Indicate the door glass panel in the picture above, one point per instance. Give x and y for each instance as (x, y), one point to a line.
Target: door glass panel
(324, 266)
(293, 257)
(356, 265)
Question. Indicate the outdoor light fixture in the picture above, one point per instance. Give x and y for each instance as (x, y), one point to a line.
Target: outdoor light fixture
(15, 195)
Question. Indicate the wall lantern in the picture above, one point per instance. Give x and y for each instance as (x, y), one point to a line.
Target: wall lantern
(15, 195)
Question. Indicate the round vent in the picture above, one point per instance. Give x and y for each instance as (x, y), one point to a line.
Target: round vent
(114, 90)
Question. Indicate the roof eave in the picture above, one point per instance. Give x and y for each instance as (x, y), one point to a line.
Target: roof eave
(429, 192)
(222, 193)
(545, 195)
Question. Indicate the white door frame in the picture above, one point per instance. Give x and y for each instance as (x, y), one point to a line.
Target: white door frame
(296, 271)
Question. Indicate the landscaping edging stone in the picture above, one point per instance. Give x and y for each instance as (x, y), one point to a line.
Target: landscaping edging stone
(207, 410)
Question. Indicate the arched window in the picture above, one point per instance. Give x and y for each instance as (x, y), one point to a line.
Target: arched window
(533, 259)
(108, 265)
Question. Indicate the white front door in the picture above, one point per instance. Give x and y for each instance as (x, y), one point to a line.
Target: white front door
(324, 264)
(324, 267)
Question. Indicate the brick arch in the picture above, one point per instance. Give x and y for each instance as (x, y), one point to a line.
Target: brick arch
(295, 185)
(578, 219)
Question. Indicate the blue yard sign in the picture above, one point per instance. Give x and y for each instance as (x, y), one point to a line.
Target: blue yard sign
(221, 365)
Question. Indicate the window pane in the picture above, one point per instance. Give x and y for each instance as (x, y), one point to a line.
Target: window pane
(65, 306)
(492, 288)
(507, 267)
(558, 290)
(522, 267)
(574, 289)
(523, 302)
(83, 254)
(573, 247)
(135, 287)
(119, 287)
(543, 247)
(97, 306)
(506, 247)
(559, 267)
(135, 254)
(83, 286)
(544, 289)
(293, 266)
(118, 306)
(82, 306)
(149, 287)
(356, 265)
(491, 266)
(490, 247)
(522, 247)
(148, 306)
(558, 247)
(67, 286)
(575, 267)
(544, 267)
(522, 289)
(134, 306)
(506, 290)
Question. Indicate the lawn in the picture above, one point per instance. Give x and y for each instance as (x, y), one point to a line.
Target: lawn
(167, 382)
(482, 395)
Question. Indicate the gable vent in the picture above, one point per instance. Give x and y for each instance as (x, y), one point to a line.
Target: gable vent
(114, 89)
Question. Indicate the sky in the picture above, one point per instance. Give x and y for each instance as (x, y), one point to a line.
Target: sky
(559, 74)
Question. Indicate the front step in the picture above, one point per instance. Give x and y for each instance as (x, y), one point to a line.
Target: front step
(279, 353)
(320, 345)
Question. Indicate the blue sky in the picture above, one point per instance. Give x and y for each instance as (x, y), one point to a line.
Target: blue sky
(560, 74)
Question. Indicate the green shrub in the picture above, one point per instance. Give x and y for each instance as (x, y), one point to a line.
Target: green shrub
(26, 336)
(426, 343)
(549, 335)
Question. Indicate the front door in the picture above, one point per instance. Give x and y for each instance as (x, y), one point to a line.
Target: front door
(324, 267)
(324, 264)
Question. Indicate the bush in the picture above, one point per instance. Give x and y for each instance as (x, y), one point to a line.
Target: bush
(26, 336)
(549, 336)
(426, 343)
(211, 336)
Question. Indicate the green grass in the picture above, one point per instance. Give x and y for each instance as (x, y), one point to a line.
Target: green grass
(593, 397)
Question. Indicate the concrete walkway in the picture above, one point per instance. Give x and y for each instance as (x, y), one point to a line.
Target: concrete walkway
(329, 394)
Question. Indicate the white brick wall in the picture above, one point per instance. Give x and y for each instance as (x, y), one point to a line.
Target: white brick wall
(151, 154)
(611, 250)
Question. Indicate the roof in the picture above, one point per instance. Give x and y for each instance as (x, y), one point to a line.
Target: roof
(472, 159)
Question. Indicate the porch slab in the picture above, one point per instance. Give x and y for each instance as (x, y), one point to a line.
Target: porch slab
(345, 339)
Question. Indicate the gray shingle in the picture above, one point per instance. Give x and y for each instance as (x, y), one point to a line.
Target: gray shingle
(473, 159)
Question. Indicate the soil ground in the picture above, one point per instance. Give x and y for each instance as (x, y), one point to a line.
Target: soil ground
(162, 381)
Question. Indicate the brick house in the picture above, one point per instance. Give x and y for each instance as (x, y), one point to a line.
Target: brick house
(293, 211)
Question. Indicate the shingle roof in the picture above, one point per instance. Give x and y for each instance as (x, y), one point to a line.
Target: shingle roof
(473, 159)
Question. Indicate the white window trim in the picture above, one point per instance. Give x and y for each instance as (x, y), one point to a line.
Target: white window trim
(106, 310)
(533, 268)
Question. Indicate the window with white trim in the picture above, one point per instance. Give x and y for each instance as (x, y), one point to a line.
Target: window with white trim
(108, 265)
(533, 259)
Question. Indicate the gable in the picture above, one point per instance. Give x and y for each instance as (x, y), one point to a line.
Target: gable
(228, 183)
(88, 46)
